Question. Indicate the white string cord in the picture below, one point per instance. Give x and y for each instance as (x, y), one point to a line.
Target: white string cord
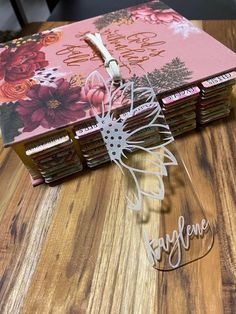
(110, 63)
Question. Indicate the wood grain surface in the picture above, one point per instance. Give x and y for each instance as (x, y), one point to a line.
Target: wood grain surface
(76, 248)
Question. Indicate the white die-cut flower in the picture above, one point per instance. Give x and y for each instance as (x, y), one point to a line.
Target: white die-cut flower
(118, 137)
(184, 28)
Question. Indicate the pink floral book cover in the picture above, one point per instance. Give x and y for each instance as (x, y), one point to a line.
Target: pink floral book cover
(42, 76)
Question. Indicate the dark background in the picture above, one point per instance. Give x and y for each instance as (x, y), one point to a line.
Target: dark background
(74, 10)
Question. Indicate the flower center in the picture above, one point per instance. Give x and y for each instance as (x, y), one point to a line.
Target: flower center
(53, 103)
(113, 135)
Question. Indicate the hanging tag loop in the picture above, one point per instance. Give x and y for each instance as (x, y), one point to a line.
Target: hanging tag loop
(110, 63)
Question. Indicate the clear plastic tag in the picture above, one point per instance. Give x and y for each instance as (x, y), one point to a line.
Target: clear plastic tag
(174, 226)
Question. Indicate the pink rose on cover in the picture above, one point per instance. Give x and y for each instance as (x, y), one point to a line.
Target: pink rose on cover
(149, 15)
(92, 96)
(50, 107)
(96, 96)
(21, 64)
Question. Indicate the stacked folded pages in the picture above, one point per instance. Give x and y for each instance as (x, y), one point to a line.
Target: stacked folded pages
(180, 110)
(55, 157)
(215, 98)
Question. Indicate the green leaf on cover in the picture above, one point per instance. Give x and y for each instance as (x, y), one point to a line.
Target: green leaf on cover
(172, 75)
(110, 18)
(10, 122)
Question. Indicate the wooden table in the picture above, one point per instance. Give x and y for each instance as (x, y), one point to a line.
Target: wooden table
(65, 249)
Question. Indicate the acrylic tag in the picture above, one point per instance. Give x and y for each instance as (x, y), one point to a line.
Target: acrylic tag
(136, 137)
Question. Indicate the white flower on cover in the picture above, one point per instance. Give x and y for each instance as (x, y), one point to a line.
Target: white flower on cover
(184, 27)
(118, 137)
